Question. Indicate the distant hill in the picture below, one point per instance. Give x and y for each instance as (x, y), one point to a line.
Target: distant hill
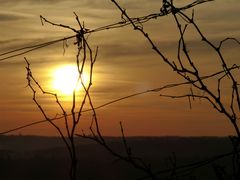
(42, 158)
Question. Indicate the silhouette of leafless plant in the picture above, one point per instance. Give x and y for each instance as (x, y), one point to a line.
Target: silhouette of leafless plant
(186, 68)
(184, 65)
(84, 56)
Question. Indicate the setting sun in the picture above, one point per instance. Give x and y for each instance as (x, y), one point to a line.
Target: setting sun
(65, 79)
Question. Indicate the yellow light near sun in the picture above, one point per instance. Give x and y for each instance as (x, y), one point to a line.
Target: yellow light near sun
(65, 80)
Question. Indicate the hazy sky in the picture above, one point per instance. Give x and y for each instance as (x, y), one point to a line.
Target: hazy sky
(125, 65)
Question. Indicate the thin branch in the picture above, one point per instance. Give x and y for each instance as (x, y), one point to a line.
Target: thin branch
(30, 78)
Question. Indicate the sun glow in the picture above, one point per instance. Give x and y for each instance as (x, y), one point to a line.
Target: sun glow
(65, 80)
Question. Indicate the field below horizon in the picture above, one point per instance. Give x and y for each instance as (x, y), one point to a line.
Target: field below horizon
(43, 158)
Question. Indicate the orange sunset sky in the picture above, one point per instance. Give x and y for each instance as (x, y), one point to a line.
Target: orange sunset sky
(125, 65)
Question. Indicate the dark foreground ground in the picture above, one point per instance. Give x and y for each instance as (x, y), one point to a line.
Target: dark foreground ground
(46, 158)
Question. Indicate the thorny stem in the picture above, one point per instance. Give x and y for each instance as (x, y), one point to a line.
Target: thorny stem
(217, 104)
(184, 72)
